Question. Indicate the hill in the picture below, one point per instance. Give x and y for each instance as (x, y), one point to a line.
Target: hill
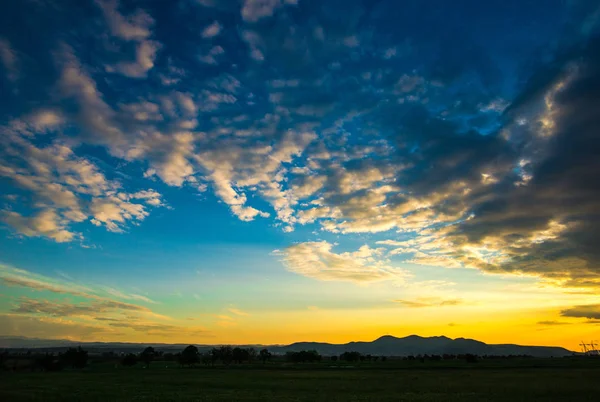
(385, 346)
(415, 345)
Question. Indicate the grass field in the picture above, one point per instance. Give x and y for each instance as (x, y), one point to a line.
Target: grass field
(558, 380)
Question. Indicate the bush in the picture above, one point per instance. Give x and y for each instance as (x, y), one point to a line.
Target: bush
(303, 356)
(129, 360)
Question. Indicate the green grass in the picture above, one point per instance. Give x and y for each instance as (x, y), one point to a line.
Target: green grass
(562, 381)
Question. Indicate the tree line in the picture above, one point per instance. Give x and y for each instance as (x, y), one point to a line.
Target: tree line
(77, 358)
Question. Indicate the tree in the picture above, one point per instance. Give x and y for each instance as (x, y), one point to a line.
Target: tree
(189, 356)
(76, 358)
(351, 356)
(129, 360)
(238, 355)
(214, 356)
(148, 355)
(251, 354)
(303, 356)
(226, 354)
(47, 362)
(264, 355)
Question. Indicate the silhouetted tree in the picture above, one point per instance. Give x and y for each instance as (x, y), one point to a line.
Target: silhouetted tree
(47, 362)
(239, 355)
(351, 356)
(251, 354)
(189, 356)
(3, 360)
(214, 355)
(264, 355)
(226, 354)
(334, 358)
(471, 358)
(129, 360)
(148, 355)
(76, 358)
(304, 356)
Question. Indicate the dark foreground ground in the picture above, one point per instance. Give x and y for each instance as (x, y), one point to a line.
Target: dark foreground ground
(552, 381)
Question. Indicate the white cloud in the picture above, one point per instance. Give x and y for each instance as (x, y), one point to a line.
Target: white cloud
(212, 30)
(134, 27)
(210, 57)
(168, 155)
(254, 10)
(128, 296)
(235, 165)
(9, 60)
(237, 311)
(256, 43)
(497, 105)
(46, 223)
(94, 114)
(317, 260)
(145, 55)
(65, 189)
(114, 212)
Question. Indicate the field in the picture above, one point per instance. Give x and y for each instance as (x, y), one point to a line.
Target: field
(539, 380)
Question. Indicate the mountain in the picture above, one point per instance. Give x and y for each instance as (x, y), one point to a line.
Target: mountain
(384, 346)
(415, 345)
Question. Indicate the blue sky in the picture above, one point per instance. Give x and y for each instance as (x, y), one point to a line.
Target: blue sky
(206, 159)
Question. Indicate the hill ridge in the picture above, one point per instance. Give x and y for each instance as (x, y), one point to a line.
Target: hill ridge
(387, 345)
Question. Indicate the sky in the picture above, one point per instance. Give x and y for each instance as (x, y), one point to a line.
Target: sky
(272, 171)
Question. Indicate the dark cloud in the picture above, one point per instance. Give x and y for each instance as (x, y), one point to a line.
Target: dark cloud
(552, 323)
(429, 302)
(563, 187)
(590, 311)
(159, 329)
(66, 309)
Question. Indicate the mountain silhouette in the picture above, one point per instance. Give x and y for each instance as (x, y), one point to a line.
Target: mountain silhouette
(416, 345)
(384, 346)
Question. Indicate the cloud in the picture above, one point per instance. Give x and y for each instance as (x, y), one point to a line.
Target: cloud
(46, 223)
(13, 277)
(53, 328)
(65, 309)
(169, 155)
(590, 311)
(9, 60)
(552, 323)
(130, 296)
(212, 30)
(317, 260)
(66, 189)
(79, 305)
(254, 10)
(99, 301)
(94, 114)
(159, 329)
(133, 27)
(145, 54)
(238, 312)
(429, 302)
(440, 157)
(115, 211)
(232, 164)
